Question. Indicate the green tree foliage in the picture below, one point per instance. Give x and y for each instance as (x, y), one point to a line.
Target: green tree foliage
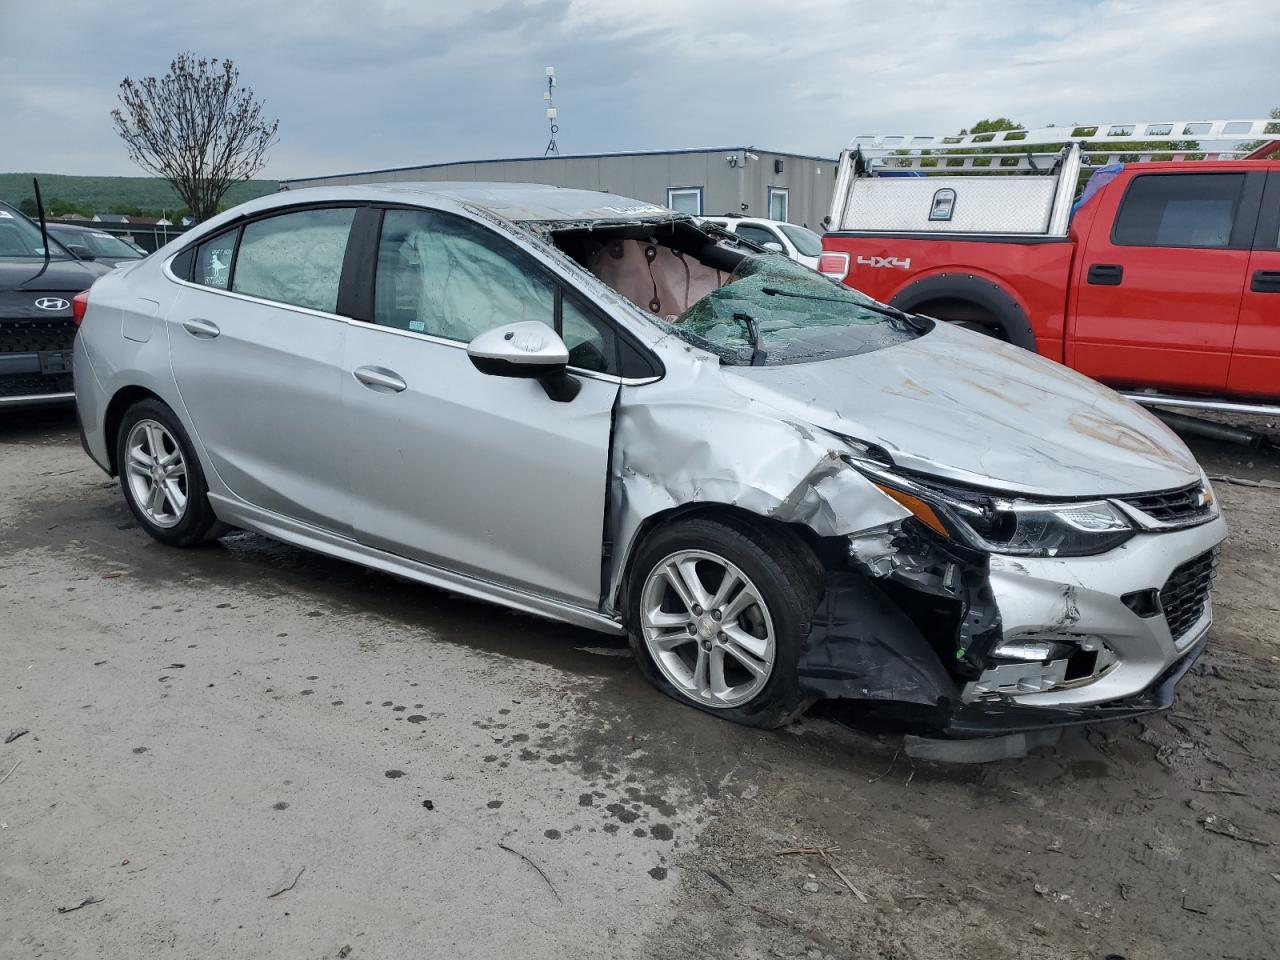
(86, 196)
(992, 126)
(1007, 154)
(1270, 128)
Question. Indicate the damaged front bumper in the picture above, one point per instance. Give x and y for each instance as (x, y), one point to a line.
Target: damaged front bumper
(950, 643)
(1006, 716)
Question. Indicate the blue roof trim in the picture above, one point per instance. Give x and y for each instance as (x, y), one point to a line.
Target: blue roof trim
(565, 156)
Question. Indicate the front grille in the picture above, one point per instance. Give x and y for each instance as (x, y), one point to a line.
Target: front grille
(1183, 507)
(34, 384)
(1185, 594)
(36, 336)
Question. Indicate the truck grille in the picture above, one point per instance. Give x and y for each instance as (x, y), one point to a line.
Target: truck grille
(36, 336)
(1183, 507)
(1185, 594)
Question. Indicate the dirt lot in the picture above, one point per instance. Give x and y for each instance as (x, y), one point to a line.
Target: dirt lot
(452, 780)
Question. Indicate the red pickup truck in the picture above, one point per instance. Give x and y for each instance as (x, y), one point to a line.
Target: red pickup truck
(1163, 280)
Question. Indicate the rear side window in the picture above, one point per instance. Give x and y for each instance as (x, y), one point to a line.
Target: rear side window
(1179, 210)
(213, 261)
(294, 258)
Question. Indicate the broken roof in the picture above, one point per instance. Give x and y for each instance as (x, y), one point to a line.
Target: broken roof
(517, 202)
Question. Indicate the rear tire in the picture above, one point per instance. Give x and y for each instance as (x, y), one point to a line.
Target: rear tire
(718, 613)
(161, 478)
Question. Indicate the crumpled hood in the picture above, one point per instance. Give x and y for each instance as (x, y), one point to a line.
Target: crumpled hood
(960, 405)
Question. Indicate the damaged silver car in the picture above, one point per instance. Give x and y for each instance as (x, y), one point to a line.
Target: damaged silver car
(595, 410)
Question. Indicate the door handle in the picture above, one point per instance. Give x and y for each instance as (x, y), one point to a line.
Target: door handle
(380, 379)
(202, 329)
(1105, 274)
(1265, 281)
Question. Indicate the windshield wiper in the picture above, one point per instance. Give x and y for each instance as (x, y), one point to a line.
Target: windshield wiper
(910, 319)
(753, 332)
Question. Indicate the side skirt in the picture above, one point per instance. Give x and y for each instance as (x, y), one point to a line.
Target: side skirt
(237, 513)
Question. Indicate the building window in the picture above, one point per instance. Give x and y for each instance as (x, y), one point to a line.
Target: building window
(777, 203)
(685, 200)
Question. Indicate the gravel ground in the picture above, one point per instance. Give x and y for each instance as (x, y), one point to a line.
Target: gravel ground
(435, 775)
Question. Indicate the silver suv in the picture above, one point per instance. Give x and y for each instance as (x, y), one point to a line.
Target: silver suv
(593, 409)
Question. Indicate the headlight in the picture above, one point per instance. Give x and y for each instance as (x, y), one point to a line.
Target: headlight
(1065, 530)
(1009, 526)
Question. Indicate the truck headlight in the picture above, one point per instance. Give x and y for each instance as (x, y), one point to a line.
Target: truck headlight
(1007, 525)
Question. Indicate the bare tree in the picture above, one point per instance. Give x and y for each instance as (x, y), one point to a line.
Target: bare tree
(196, 127)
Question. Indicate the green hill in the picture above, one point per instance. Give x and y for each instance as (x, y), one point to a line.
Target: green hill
(89, 195)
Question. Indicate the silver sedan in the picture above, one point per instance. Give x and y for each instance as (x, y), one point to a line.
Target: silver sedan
(597, 410)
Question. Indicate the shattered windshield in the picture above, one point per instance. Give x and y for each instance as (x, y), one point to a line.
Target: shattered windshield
(775, 311)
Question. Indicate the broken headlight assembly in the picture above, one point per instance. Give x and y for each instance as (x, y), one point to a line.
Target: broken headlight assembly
(1006, 525)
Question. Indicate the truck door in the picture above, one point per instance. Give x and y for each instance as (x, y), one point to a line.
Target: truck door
(1160, 279)
(1255, 362)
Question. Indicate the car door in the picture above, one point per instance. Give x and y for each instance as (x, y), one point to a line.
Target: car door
(1255, 361)
(482, 475)
(1158, 294)
(257, 352)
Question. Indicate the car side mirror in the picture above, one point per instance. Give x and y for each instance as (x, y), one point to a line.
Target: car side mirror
(529, 349)
(773, 245)
(81, 252)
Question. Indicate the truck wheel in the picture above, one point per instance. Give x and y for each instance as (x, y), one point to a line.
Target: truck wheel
(718, 615)
(966, 315)
(974, 302)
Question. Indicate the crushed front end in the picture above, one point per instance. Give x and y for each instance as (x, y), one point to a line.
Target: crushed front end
(982, 615)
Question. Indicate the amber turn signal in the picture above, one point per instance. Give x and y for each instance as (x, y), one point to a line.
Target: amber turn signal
(921, 510)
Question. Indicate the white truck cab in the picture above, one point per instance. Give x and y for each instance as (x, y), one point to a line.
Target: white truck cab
(799, 243)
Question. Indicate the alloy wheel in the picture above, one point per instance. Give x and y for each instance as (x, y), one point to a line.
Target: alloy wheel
(157, 473)
(708, 628)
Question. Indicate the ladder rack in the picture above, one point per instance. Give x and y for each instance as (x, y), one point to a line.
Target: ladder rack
(1005, 151)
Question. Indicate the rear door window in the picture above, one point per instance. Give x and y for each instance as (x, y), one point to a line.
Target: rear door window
(213, 260)
(294, 258)
(1179, 210)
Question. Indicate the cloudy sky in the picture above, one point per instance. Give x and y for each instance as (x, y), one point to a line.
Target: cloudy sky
(361, 84)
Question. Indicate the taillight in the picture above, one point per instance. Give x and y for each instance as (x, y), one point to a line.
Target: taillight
(834, 265)
(79, 304)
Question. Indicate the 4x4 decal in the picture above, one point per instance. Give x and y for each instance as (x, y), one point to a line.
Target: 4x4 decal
(900, 263)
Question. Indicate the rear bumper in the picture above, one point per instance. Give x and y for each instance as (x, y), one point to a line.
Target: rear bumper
(91, 407)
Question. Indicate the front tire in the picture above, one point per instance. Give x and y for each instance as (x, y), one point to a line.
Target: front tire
(718, 613)
(161, 478)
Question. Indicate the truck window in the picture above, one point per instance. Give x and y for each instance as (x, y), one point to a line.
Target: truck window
(1179, 210)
